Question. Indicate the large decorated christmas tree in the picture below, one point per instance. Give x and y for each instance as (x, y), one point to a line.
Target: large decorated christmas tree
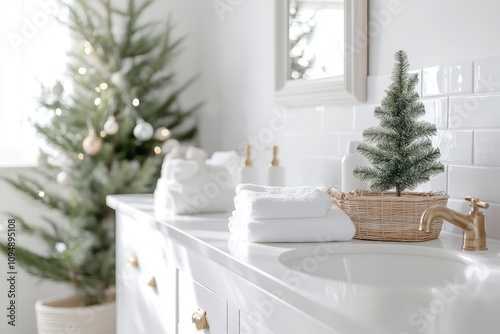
(106, 127)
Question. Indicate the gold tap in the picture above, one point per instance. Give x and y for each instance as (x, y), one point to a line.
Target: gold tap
(474, 235)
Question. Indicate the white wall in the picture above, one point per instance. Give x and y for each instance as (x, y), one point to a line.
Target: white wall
(236, 67)
(433, 32)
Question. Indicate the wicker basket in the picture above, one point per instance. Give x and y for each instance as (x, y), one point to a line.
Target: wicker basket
(383, 216)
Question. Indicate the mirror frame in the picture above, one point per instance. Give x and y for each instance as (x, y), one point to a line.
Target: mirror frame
(347, 89)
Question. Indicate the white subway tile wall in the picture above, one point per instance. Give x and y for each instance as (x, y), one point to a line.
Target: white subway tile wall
(486, 147)
(462, 99)
(474, 112)
(447, 79)
(455, 146)
(487, 75)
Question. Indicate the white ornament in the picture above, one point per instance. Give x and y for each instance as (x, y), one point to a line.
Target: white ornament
(63, 178)
(143, 130)
(162, 133)
(111, 126)
(116, 79)
(92, 144)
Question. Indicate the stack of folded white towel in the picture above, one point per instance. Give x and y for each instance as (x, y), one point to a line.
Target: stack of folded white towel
(287, 214)
(191, 184)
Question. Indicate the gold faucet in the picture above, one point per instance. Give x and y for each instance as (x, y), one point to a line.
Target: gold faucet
(474, 235)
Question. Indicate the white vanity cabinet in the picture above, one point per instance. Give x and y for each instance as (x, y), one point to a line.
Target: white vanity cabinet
(166, 273)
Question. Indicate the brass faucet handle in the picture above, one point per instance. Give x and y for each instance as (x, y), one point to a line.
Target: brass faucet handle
(475, 203)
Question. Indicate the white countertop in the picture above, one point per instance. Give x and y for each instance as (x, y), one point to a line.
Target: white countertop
(363, 308)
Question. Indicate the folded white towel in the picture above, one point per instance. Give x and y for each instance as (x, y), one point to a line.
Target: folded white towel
(259, 202)
(276, 190)
(192, 186)
(179, 170)
(334, 226)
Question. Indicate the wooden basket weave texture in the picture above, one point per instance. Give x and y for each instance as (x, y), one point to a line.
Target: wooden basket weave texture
(383, 216)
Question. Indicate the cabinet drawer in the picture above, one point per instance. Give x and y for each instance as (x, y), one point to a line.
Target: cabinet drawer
(193, 296)
(250, 326)
(146, 286)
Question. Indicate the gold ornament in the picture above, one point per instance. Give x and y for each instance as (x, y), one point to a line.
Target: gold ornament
(92, 144)
(58, 89)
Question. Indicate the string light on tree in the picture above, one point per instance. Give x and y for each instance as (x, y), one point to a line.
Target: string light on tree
(143, 130)
(87, 47)
(61, 246)
(63, 178)
(162, 133)
(116, 79)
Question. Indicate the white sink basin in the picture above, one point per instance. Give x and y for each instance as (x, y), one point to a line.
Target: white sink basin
(401, 288)
(383, 265)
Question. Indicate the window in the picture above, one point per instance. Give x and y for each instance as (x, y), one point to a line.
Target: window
(32, 47)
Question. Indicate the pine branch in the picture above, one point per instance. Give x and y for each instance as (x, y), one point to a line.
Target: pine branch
(32, 188)
(143, 181)
(50, 238)
(50, 268)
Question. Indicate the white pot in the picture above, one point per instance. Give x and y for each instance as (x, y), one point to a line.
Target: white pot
(68, 316)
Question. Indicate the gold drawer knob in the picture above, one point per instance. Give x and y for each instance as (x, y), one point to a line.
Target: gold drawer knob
(199, 319)
(133, 261)
(151, 281)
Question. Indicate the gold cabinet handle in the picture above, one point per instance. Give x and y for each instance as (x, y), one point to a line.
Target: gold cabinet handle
(133, 261)
(199, 319)
(150, 281)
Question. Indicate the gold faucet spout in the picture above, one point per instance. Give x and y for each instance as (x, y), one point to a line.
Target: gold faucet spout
(472, 224)
(436, 212)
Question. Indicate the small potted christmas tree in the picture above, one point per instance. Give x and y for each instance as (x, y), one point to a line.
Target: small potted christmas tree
(402, 157)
